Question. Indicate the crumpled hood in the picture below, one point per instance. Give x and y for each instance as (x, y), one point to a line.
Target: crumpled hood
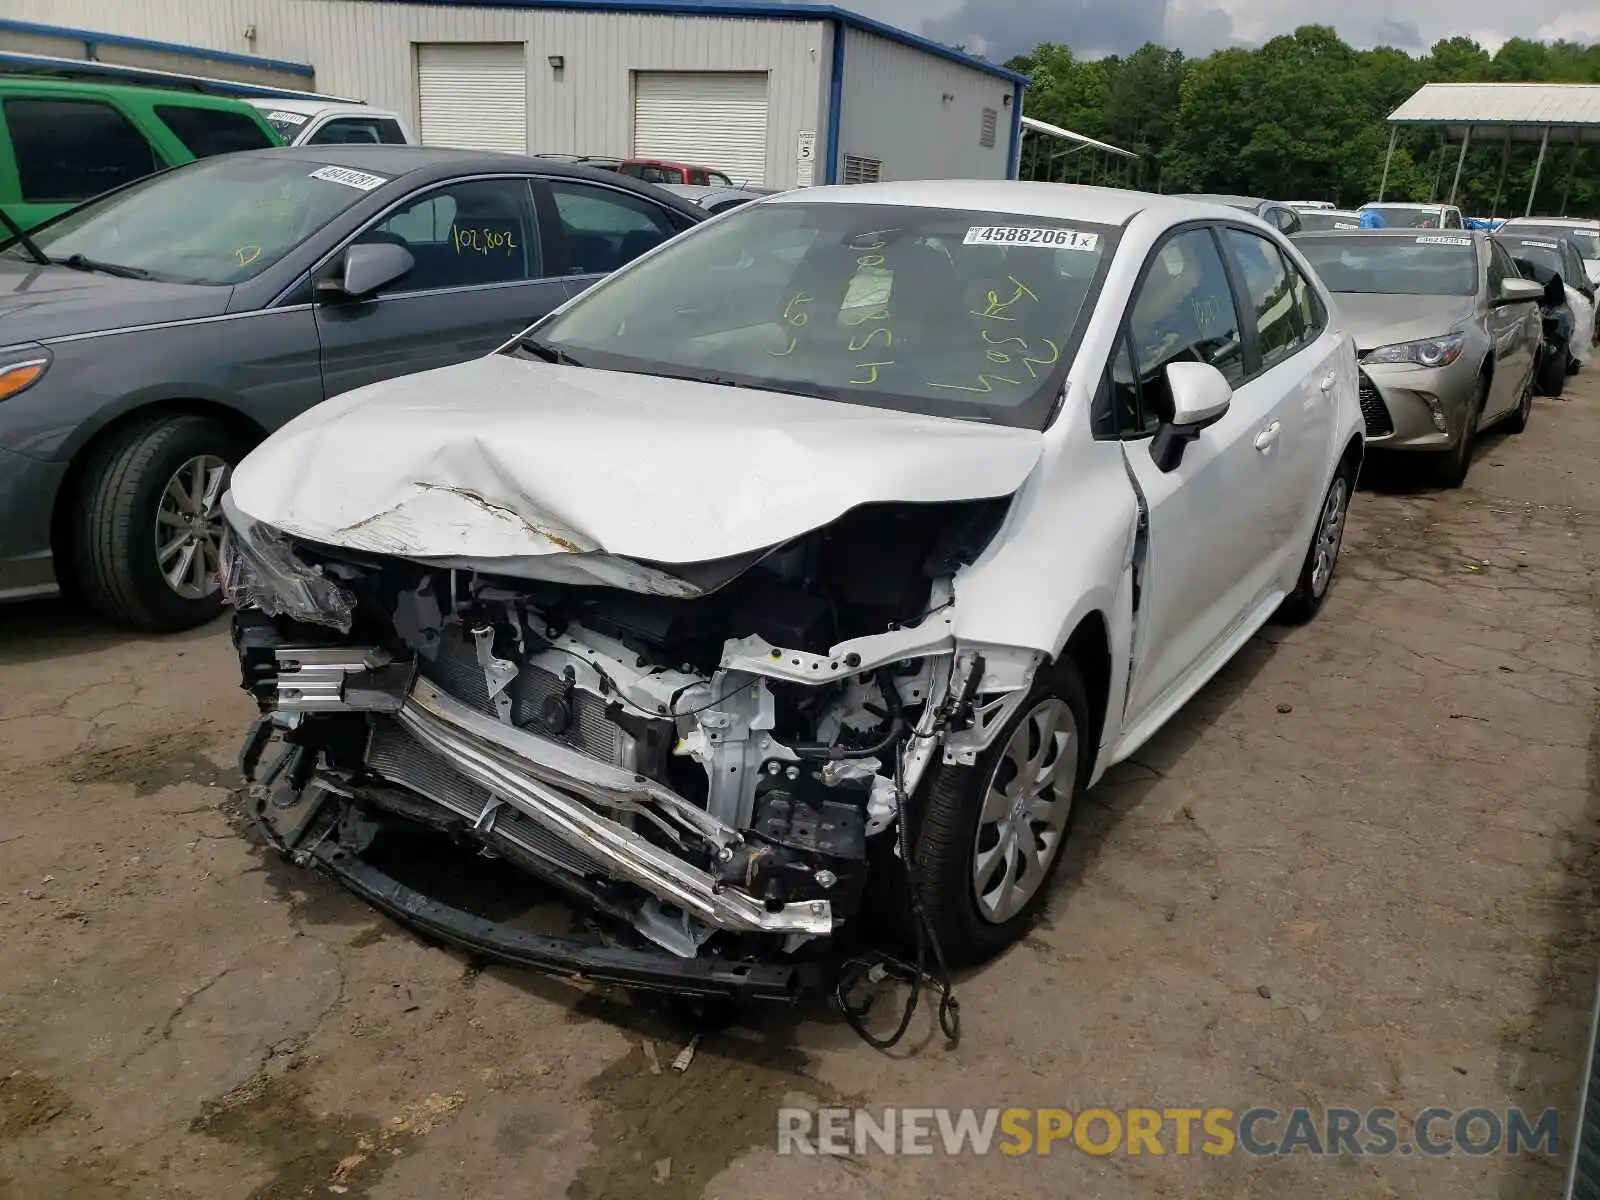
(1375, 320)
(504, 459)
(40, 303)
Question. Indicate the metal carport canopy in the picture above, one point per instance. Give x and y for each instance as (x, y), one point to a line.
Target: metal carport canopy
(1503, 113)
(1067, 135)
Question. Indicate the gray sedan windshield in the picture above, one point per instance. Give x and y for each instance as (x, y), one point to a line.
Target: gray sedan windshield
(1587, 241)
(221, 220)
(943, 312)
(1427, 265)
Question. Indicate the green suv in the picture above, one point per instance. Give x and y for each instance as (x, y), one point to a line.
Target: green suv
(63, 142)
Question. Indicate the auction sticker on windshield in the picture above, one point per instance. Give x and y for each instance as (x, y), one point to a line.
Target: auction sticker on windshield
(360, 180)
(1539, 245)
(1017, 235)
(286, 118)
(1443, 241)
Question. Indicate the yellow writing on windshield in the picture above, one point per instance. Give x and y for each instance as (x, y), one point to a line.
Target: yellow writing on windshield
(985, 384)
(470, 239)
(247, 255)
(872, 371)
(999, 350)
(997, 309)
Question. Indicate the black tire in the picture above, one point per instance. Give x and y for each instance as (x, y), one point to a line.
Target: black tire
(116, 552)
(1306, 600)
(1552, 374)
(945, 828)
(1574, 365)
(1518, 420)
(1458, 460)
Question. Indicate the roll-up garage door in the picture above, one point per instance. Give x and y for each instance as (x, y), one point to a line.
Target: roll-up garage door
(474, 95)
(714, 119)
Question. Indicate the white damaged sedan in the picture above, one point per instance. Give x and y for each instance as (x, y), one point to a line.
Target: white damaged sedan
(841, 542)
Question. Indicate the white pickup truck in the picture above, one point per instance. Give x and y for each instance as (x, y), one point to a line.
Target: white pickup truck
(331, 122)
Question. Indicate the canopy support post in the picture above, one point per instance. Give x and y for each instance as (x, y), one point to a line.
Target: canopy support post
(1572, 167)
(1438, 167)
(1505, 161)
(1461, 160)
(1383, 183)
(1544, 144)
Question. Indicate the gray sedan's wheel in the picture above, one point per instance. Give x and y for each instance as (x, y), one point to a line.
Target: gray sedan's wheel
(1518, 420)
(150, 522)
(1458, 460)
(989, 837)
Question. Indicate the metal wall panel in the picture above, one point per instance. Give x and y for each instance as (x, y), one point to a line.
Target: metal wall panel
(367, 50)
(920, 117)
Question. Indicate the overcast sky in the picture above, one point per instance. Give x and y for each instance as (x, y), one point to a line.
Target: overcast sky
(1002, 28)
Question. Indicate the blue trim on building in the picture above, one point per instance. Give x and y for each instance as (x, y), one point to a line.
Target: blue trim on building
(1014, 161)
(772, 10)
(41, 65)
(90, 39)
(830, 173)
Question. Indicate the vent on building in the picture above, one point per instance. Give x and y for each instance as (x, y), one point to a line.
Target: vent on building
(861, 170)
(991, 122)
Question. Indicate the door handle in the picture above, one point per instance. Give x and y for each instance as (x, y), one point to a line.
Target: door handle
(1267, 436)
(1329, 381)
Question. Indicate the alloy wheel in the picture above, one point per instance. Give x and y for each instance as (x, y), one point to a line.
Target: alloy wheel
(188, 533)
(1026, 803)
(1330, 535)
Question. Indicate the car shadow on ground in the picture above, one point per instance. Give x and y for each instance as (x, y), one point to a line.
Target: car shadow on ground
(1397, 473)
(34, 631)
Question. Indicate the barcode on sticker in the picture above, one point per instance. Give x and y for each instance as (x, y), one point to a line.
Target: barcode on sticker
(1540, 245)
(1053, 238)
(286, 118)
(360, 180)
(1435, 240)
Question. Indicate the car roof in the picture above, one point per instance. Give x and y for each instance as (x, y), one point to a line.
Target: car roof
(438, 162)
(1098, 205)
(1559, 222)
(1418, 205)
(1219, 198)
(313, 108)
(1395, 234)
(136, 94)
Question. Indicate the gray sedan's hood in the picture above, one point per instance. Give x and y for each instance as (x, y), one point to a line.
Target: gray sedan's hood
(1376, 320)
(38, 303)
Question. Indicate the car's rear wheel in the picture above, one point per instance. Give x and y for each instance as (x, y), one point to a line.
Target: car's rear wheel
(1518, 420)
(1316, 573)
(1458, 461)
(149, 523)
(988, 838)
(1552, 374)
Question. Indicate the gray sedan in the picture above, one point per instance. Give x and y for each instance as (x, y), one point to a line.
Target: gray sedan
(1447, 331)
(154, 335)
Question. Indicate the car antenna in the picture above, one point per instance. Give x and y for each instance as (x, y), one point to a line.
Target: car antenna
(18, 235)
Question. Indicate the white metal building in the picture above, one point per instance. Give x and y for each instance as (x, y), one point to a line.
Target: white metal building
(772, 94)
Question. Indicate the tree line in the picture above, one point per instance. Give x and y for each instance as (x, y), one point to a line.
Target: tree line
(1303, 117)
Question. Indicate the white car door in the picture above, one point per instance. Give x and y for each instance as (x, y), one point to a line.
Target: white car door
(1298, 363)
(1211, 518)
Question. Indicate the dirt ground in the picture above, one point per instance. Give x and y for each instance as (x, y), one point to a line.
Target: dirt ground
(1359, 870)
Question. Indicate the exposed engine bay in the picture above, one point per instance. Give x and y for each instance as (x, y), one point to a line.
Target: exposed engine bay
(708, 778)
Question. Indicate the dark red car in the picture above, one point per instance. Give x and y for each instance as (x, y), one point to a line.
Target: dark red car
(655, 170)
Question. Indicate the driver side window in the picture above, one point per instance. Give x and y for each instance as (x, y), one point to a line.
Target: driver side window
(1184, 312)
(465, 234)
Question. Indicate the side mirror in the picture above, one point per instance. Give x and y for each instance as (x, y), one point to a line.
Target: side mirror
(366, 268)
(1201, 395)
(1514, 291)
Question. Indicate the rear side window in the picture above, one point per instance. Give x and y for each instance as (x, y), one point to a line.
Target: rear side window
(208, 131)
(348, 131)
(70, 150)
(1280, 321)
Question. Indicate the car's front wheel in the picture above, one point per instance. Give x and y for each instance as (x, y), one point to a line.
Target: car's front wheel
(988, 837)
(1552, 374)
(1518, 420)
(149, 524)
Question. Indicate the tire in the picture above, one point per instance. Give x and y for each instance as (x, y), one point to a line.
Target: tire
(1458, 460)
(946, 827)
(1316, 574)
(1574, 365)
(1552, 373)
(125, 492)
(1518, 420)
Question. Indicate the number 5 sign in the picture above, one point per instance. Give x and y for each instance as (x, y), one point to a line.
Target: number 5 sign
(806, 149)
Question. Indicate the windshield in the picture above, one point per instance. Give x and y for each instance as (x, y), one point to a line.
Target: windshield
(942, 312)
(1440, 265)
(1587, 241)
(219, 220)
(1543, 251)
(1406, 218)
(1319, 219)
(288, 124)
